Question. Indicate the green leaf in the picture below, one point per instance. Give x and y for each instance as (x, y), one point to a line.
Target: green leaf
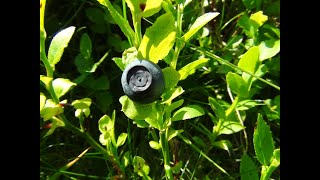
(173, 106)
(237, 84)
(247, 104)
(173, 133)
(119, 63)
(121, 139)
(217, 108)
(58, 43)
(122, 23)
(81, 103)
(177, 167)
(144, 8)
(95, 15)
(198, 24)
(249, 4)
(191, 68)
(171, 77)
(83, 65)
(171, 94)
(42, 100)
(249, 26)
(188, 112)
(158, 39)
(141, 123)
(105, 124)
(103, 100)
(230, 127)
(275, 162)
(198, 141)
(85, 46)
(151, 8)
(259, 18)
(133, 110)
(154, 145)
(249, 62)
(61, 86)
(248, 170)
(233, 42)
(102, 83)
(263, 142)
(129, 55)
(153, 120)
(46, 80)
(56, 122)
(86, 112)
(50, 110)
(268, 49)
(126, 159)
(276, 158)
(140, 166)
(223, 144)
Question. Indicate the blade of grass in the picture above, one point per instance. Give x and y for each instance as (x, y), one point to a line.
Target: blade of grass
(222, 61)
(67, 166)
(203, 154)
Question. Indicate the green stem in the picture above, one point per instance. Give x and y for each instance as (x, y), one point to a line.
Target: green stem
(165, 152)
(136, 18)
(179, 43)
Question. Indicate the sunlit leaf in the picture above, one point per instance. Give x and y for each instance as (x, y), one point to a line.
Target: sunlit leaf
(188, 112)
(61, 86)
(259, 18)
(230, 127)
(42, 100)
(158, 39)
(268, 49)
(133, 110)
(249, 62)
(171, 94)
(171, 77)
(81, 103)
(217, 108)
(154, 145)
(237, 85)
(191, 68)
(105, 124)
(121, 139)
(58, 44)
(198, 24)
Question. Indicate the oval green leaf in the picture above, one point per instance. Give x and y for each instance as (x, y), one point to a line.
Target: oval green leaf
(188, 112)
(268, 49)
(171, 77)
(133, 110)
(237, 84)
(191, 68)
(85, 46)
(58, 43)
(121, 139)
(249, 62)
(198, 24)
(248, 170)
(230, 127)
(158, 39)
(81, 103)
(217, 108)
(61, 86)
(154, 145)
(263, 142)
